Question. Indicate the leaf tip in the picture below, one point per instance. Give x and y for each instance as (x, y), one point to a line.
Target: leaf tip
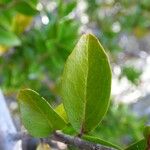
(22, 92)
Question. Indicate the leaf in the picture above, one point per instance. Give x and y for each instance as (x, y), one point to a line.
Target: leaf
(7, 38)
(140, 145)
(61, 111)
(33, 2)
(69, 130)
(100, 141)
(86, 84)
(69, 7)
(26, 9)
(6, 19)
(37, 115)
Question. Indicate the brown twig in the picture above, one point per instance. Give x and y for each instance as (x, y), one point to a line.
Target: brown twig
(78, 142)
(69, 140)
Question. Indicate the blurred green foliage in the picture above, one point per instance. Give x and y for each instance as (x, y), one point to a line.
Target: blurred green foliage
(40, 51)
(115, 17)
(132, 74)
(24, 38)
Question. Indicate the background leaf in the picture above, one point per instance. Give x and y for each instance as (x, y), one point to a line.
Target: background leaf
(25, 8)
(86, 84)
(37, 115)
(7, 38)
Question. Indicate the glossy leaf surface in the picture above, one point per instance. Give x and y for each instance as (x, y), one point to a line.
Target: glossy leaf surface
(37, 115)
(86, 84)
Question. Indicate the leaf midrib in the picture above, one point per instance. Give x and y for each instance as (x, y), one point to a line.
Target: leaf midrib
(85, 92)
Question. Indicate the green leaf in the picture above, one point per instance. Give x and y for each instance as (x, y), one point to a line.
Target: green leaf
(5, 1)
(133, 74)
(140, 145)
(6, 19)
(32, 2)
(145, 4)
(100, 141)
(37, 115)
(26, 9)
(69, 7)
(86, 84)
(7, 38)
(61, 111)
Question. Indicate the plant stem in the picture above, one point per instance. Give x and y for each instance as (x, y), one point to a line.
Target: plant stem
(69, 140)
(78, 142)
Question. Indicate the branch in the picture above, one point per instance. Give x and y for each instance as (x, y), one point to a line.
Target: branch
(69, 140)
(78, 142)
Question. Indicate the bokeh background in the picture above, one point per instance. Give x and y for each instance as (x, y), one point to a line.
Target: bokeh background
(36, 37)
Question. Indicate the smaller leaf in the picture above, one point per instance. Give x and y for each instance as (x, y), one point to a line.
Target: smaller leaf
(61, 111)
(33, 2)
(100, 141)
(6, 18)
(37, 115)
(140, 145)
